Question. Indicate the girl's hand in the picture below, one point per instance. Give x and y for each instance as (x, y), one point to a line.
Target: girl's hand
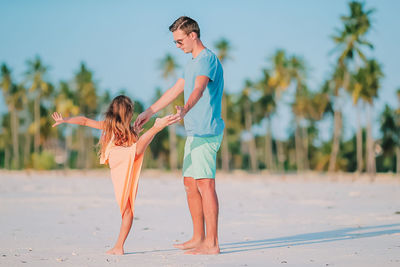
(161, 123)
(58, 118)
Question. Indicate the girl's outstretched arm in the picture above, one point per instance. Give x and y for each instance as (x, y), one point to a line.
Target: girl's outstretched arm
(148, 136)
(81, 120)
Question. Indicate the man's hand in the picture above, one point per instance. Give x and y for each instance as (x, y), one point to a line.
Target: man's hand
(142, 119)
(180, 113)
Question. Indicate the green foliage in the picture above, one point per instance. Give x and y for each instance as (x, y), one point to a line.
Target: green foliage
(44, 160)
(34, 98)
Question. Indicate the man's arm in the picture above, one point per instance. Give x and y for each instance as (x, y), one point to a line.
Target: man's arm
(200, 85)
(169, 96)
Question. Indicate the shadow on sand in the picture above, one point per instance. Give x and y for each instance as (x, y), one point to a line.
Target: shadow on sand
(152, 251)
(298, 240)
(311, 238)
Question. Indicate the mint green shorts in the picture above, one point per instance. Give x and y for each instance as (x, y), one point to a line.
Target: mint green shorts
(200, 159)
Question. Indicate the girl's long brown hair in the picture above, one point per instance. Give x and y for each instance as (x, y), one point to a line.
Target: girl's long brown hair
(117, 122)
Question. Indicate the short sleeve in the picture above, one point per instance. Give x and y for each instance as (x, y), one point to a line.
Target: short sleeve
(206, 67)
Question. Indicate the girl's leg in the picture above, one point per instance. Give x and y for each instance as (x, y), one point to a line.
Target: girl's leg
(126, 225)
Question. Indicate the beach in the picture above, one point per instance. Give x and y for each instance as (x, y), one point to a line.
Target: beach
(71, 218)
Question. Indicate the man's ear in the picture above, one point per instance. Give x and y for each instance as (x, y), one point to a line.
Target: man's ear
(193, 36)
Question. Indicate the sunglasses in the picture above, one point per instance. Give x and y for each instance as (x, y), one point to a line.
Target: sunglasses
(180, 41)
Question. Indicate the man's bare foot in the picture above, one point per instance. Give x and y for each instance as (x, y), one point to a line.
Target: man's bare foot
(116, 251)
(204, 249)
(188, 244)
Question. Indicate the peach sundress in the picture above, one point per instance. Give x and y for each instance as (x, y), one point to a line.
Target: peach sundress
(125, 169)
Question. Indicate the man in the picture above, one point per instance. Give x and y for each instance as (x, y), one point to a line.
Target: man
(202, 84)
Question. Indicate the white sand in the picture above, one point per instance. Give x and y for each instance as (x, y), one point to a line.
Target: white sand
(53, 219)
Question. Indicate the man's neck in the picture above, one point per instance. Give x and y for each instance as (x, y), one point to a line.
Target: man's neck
(198, 47)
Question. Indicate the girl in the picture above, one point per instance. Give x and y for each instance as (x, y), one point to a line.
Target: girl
(122, 149)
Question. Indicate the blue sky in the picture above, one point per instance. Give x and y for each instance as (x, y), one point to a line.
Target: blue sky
(123, 41)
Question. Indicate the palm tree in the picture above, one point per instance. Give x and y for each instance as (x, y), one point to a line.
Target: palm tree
(297, 72)
(334, 87)
(66, 104)
(159, 147)
(265, 107)
(355, 88)
(300, 109)
(168, 67)
(29, 126)
(5, 140)
(6, 86)
(280, 78)
(398, 133)
(17, 96)
(319, 103)
(13, 96)
(317, 106)
(234, 128)
(246, 110)
(223, 46)
(39, 87)
(279, 81)
(350, 41)
(390, 135)
(86, 96)
(370, 77)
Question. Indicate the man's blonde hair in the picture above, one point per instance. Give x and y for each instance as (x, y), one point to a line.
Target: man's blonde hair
(185, 24)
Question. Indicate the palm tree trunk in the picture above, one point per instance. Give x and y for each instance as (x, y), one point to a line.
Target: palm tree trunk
(225, 148)
(359, 144)
(371, 165)
(172, 147)
(68, 143)
(252, 143)
(269, 157)
(336, 140)
(27, 146)
(281, 155)
(253, 154)
(37, 123)
(82, 148)
(15, 141)
(89, 147)
(225, 152)
(6, 157)
(161, 159)
(305, 148)
(173, 154)
(299, 154)
(398, 160)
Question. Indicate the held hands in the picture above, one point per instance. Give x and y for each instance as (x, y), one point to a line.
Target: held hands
(180, 113)
(160, 122)
(142, 119)
(58, 118)
(163, 122)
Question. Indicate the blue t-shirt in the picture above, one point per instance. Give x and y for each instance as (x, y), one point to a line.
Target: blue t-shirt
(204, 119)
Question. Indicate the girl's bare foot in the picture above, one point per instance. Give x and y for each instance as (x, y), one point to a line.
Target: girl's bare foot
(116, 251)
(189, 244)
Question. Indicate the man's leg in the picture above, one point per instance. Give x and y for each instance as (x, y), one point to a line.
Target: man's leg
(196, 211)
(209, 198)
